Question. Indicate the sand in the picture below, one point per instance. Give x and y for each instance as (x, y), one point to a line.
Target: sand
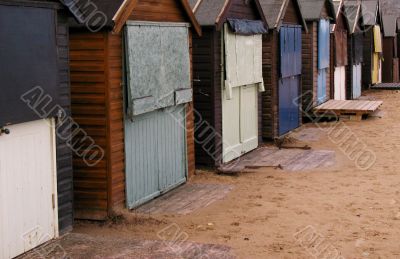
(340, 210)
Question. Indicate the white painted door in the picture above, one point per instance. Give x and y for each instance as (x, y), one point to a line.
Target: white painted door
(340, 83)
(239, 122)
(28, 214)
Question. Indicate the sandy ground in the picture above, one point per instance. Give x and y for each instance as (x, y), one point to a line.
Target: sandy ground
(341, 210)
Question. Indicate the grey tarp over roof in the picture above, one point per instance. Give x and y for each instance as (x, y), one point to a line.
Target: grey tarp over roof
(369, 9)
(83, 9)
(352, 13)
(311, 9)
(390, 11)
(208, 11)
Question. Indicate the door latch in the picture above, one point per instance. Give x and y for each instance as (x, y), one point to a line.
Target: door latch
(4, 131)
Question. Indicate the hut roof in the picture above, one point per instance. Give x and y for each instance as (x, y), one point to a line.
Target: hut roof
(212, 12)
(390, 12)
(274, 11)
(369, 9)
(116, 11)
(352, 11)
(311, 9)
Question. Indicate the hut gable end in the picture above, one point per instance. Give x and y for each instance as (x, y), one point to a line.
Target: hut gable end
(292, 15)
(158, 11)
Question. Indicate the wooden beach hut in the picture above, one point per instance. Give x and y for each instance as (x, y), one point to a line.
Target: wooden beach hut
(131, 92)
(339, 62)
(352, 10)
(390, 11)
(227, 63)
(372, 66)
(35, 154)
(282, 65)
(319, 15)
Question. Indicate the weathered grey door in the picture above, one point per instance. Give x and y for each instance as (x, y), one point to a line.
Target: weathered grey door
(155, 153)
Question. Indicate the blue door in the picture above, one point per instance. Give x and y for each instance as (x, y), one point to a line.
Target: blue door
(323, 59)
(289, 82)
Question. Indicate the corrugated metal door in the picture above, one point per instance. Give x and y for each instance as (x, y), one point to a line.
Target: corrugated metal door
(28, 187)
(357, 70)
(323, 59)
(289, 83)
(155, 154)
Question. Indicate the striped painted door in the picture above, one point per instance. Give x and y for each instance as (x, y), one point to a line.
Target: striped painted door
(28, 187)
(155, 145)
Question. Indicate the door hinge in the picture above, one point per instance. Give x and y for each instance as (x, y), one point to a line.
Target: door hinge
(53, 201)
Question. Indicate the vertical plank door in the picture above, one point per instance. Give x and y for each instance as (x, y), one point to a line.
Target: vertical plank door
(28, 201)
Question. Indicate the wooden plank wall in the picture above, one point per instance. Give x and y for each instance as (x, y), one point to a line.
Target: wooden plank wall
(367, 65)
(309, 65)
(97, 108)
(271, 75)
(349, 68)
(387, 63)
(190, 120)
(64, 153)
(158, 11)
(243, 10)
(203, 92)
(219, 74)
(115, 122)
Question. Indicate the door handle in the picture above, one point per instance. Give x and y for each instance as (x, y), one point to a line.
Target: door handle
(4, 131)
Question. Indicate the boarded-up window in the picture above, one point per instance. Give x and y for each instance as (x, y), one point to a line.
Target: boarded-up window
(323, 44)
(158, 66)
(243, 56)
(28, 58)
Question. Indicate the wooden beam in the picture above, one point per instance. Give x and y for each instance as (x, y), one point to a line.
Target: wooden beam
(123, 14)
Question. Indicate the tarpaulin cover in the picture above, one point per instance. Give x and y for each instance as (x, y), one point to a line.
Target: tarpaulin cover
(247, 27)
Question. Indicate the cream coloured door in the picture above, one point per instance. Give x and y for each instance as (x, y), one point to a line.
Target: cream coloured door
(239, 122)
(340, 83)
(28, 200)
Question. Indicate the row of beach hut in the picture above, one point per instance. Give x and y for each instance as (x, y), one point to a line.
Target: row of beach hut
(107, 104)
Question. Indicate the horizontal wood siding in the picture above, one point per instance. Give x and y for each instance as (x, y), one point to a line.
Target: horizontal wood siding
(240, 9)
(292, 15)
(271, 75)
(89, 110)
(219, 74)
(64, 153)
(203, 90)
(349, 68)
(115, 123)
(310, 65)
(159, 11)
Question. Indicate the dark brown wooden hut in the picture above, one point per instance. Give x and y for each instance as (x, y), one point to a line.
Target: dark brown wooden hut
(352, 9)
(390, 11)
(316, 82)
(35, 159)
(147, 136)
(372, 57)
(339, 62)
(227, 79)
(282, 64)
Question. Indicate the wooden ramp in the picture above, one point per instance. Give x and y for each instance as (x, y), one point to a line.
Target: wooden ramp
(386, 86)
(351, 109)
